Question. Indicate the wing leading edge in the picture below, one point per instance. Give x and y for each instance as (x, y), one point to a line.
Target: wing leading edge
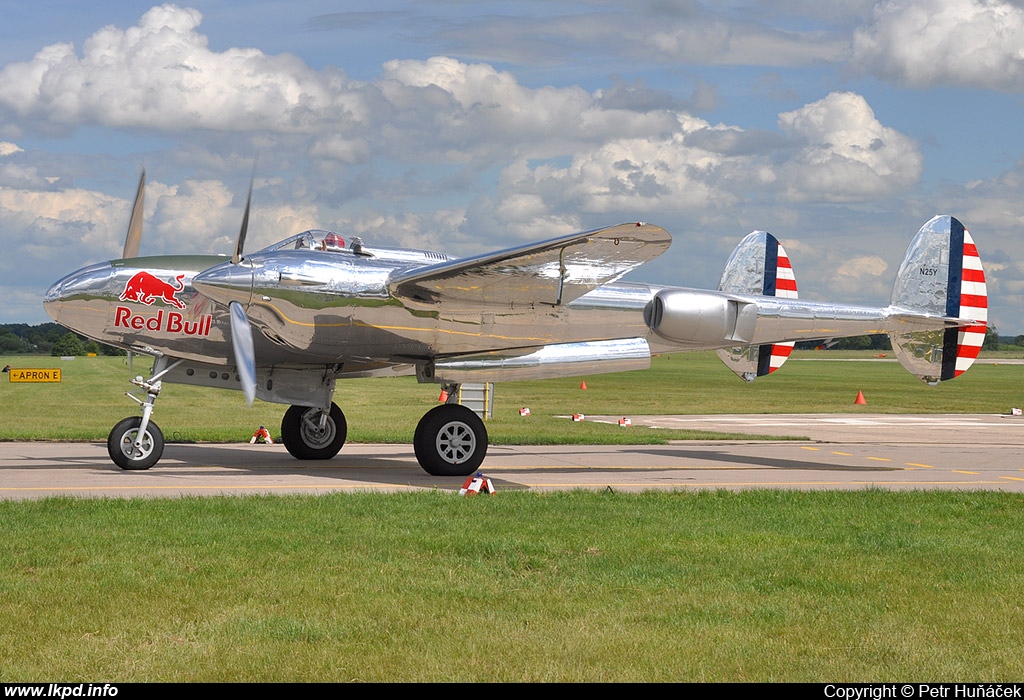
(550, 273)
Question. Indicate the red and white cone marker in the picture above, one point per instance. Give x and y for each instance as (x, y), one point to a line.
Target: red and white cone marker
(860, 398)
(262, 435)
(475, 484)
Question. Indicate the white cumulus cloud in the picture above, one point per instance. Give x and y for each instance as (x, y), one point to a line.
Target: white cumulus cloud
(847, 154)
(837, 151)
(162, 74)
(925, 43)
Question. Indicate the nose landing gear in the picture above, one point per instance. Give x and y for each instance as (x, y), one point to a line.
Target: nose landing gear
(137, 443)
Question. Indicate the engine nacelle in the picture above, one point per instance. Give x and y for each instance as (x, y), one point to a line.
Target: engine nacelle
(692, 317)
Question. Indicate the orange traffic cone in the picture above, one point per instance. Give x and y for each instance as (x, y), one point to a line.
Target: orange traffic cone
(860, 398)
(583, 385)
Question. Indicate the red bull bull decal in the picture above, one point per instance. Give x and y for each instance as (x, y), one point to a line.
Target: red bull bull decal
(163, 321)
(145, 288)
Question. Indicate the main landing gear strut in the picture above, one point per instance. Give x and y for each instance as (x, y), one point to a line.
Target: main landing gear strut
(312, 433)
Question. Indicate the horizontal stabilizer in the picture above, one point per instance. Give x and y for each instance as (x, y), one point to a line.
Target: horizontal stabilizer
(759, 265)
(547, 274)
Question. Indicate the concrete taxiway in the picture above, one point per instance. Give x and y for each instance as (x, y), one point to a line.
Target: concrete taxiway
(848, 451)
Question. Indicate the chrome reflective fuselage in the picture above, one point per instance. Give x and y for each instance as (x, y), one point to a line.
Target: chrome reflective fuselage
(340, 306)
(331, 309)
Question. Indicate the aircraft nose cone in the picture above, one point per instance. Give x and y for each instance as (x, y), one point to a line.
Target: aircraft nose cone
(54, 293)
(226, 282)
(76, 290)
(52, 299)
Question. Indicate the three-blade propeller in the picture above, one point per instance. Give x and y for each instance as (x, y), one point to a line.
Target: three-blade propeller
(241, 330)
(237, 257)
(245, 356)
(134, 237)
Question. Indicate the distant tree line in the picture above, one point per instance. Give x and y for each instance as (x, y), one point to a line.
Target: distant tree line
(48, 339)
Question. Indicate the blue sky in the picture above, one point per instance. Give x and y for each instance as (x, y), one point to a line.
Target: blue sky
(841, 127)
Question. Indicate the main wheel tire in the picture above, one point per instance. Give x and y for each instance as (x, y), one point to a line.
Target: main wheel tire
(121, 444)
(450, 440)
(303, 438)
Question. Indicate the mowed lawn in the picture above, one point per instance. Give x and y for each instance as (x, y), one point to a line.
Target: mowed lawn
(581, 586)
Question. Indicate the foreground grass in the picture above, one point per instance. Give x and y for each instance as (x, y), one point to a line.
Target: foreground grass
(91, 399)
(712, 586)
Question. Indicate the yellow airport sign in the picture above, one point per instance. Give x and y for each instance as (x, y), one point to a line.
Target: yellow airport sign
(34, 374)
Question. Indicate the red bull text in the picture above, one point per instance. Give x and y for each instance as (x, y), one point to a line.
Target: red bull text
(161, 322)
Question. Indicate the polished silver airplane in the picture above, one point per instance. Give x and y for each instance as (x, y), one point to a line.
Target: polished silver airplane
(285, 323)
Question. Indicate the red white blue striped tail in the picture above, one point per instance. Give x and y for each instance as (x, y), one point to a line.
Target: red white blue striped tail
(759, 265)
(973, 304)
(942, 275)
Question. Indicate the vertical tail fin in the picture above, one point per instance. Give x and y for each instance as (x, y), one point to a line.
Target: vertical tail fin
(759, 265)
(941, 275)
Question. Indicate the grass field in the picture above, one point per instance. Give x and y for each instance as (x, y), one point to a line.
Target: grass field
(712, 586)
(91, 399)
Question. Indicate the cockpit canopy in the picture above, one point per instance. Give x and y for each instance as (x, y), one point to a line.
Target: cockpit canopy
(317, 239)
(331, 242)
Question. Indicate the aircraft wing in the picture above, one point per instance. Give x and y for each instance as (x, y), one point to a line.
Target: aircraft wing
(549, 273)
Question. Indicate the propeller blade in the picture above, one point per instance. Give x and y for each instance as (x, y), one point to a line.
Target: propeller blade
(245, 356)
(134, 237)
(245, 223)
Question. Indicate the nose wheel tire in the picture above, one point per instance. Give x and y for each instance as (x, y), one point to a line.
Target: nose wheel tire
(304, 436)
(121, 444)
(450, 440)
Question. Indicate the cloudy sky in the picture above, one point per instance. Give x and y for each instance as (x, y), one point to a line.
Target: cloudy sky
(468, 126)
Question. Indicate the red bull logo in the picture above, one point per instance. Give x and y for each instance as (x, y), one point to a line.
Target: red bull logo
(146, 288)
